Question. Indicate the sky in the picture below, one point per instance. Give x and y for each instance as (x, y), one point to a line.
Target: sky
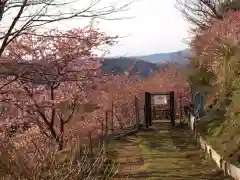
(157, 27)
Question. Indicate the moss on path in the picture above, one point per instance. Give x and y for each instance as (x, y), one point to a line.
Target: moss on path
(164, 153)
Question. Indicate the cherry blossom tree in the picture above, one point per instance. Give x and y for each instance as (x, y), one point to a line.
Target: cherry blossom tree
(52, 73)
(216, 46)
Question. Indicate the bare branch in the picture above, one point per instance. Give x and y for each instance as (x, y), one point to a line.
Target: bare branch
(7, 35)
(35, 14)
(202, 12)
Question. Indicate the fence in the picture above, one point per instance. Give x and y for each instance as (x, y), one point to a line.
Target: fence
(89, 149)
(113, 124)
(226, 167)
(112, 127)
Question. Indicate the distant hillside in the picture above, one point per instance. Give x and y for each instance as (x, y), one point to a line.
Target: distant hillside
(121, 64)
(174, 57)
(145, 65)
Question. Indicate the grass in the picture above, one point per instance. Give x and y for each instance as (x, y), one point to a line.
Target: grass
(126, 152)
(222, 129)
(223, 136)
(164, 153)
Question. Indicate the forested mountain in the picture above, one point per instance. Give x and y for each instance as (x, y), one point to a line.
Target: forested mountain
(122, 64)
(180, 57)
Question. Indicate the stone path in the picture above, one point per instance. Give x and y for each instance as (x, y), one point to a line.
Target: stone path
(163, 153)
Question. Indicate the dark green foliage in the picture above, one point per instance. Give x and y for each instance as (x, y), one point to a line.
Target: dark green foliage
(199, 76)
(230, 5)
(117, 66)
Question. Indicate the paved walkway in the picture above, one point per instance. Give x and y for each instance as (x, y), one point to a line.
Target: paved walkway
(163, 153)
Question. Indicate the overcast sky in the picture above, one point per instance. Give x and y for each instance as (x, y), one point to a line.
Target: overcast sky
(157, 27)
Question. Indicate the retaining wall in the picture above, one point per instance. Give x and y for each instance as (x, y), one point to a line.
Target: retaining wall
(227, 168)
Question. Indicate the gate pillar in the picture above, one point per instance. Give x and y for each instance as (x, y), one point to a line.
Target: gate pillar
(147, 109)
(172, 108)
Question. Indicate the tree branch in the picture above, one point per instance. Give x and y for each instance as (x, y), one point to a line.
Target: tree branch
(14, 22)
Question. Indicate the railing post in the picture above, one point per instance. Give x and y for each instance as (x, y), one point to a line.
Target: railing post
(106, 119)
(137, 113)
(189, 119)
(180, 106)
(90, 144)
(102, 138)
(112, 116)
(210, 153)
(106, 134)
(195, 128)
(225, 168)
(146, 110)
(172, 107)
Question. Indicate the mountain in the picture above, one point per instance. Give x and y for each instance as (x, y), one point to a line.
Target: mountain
(120, 65)
(173, 57)
(144, 65)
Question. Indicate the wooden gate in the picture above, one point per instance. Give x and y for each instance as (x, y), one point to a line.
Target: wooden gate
(153, 99)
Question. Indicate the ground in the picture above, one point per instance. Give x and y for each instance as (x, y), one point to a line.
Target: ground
(163, 153)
